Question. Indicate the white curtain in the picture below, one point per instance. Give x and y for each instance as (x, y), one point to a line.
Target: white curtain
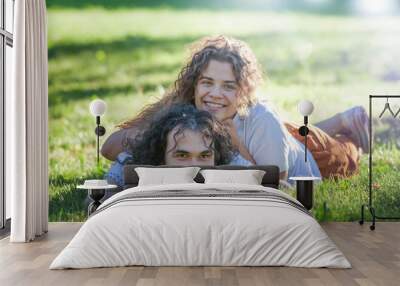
(26, 158)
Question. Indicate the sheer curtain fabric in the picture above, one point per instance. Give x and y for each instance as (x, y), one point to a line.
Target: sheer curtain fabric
(27, 158)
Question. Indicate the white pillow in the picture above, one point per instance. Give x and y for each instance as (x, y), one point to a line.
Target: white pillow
(164, 176)
(249, 177)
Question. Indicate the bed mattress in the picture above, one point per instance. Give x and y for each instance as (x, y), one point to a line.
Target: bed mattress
(201, 225)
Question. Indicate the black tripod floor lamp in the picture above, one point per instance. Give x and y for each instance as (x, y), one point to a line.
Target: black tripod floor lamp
(97, 108)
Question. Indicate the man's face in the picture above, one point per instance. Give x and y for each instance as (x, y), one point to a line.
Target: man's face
(216, 90)
(188, 148)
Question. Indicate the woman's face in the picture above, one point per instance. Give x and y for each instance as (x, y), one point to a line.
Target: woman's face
(188, 148)
(216, 90)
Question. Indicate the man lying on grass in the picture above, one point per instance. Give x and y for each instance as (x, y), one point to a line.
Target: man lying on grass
(178, 136)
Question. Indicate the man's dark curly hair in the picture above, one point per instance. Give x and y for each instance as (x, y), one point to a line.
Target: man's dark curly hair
(149, 147)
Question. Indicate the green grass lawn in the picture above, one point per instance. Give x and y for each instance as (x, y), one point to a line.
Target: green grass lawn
(125, 56)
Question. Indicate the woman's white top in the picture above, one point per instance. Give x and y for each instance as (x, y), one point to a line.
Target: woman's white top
(268, 141)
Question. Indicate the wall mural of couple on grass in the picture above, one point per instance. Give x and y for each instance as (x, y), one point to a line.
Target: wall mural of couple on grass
(183, 92)
(212, 115)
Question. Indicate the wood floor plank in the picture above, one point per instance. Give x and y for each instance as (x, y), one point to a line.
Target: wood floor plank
(212, 272)
(374, 255)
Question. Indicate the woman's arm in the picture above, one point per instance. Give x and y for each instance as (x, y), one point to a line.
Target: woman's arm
(114, 144)
(236, 141)
(245, 153)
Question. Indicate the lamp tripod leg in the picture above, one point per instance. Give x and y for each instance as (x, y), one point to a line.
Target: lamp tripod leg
(361, 221)
(372, 210)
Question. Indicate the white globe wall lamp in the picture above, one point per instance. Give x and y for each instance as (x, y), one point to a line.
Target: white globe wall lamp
(305, 107)
(97, 108)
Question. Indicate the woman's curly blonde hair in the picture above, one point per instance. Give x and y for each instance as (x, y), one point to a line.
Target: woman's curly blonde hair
(220, 48)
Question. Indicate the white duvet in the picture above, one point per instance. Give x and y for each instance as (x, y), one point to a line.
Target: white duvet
(182, 231)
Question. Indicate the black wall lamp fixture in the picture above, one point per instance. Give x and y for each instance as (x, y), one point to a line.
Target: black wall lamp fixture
(305, 184)
(97, 108)
(305, 108)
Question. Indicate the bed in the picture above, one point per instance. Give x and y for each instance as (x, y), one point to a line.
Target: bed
(198, 224)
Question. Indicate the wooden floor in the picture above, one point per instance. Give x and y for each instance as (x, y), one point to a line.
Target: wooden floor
(374, 255)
